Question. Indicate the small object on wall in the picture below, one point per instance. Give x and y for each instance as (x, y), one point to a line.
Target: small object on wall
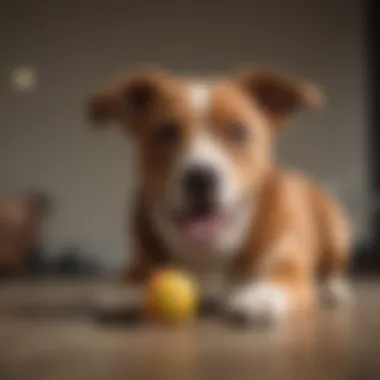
(24, 79)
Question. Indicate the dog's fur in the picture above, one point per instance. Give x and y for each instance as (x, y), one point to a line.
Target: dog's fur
(282, 229)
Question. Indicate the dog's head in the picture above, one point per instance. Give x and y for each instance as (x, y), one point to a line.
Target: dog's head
(203, 146)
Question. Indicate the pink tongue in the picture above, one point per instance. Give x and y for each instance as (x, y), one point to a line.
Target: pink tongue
(201, 229)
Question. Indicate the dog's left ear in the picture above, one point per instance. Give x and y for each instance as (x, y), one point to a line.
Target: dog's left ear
(279, 95)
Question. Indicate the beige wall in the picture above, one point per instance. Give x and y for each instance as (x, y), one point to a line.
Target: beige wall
(45, 142)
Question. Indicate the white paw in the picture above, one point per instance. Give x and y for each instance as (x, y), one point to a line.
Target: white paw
(337, 293)
(258, 303)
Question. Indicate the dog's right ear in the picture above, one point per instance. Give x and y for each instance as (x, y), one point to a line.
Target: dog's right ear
(125, 101)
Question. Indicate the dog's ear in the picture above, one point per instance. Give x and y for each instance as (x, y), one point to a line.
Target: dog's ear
(125, 100)
(279, 95)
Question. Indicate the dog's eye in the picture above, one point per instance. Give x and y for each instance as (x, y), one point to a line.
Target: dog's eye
(166, 133)
(237, 132)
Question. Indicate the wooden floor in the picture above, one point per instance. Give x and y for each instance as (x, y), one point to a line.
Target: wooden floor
(48, 332)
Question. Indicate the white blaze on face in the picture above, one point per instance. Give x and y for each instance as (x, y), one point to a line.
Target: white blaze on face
(203, 150)
(199, 96)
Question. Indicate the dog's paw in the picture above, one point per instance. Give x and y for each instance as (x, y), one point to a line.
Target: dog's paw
(337, 293)
(257, 304)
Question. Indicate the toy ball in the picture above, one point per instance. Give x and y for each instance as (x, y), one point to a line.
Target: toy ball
(171, 296)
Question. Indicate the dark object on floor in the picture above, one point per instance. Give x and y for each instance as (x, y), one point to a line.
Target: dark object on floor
(38, 263)
(73, 262)
(209, 308)
(126, 317)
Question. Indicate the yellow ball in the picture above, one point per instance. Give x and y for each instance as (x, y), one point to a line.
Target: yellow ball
(171, 296)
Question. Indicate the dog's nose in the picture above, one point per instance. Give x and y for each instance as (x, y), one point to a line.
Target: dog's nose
(199, 183)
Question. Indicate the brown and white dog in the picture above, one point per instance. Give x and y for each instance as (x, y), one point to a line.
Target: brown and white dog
(211, 198)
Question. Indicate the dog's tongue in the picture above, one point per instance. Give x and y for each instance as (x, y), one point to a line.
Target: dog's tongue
(201, 228)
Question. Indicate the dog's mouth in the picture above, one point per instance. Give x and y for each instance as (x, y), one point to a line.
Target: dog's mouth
(202, 223)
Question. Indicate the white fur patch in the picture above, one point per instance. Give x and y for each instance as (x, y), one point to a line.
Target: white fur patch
(204, 151)
(337, 293)
(259, 302)
(199, 95)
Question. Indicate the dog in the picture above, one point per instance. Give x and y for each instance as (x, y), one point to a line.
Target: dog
(211, 198)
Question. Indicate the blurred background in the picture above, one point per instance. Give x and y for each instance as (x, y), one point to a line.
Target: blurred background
(65, 189)
(75, 183)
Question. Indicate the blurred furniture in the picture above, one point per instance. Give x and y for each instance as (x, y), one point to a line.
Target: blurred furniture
(21, 220)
